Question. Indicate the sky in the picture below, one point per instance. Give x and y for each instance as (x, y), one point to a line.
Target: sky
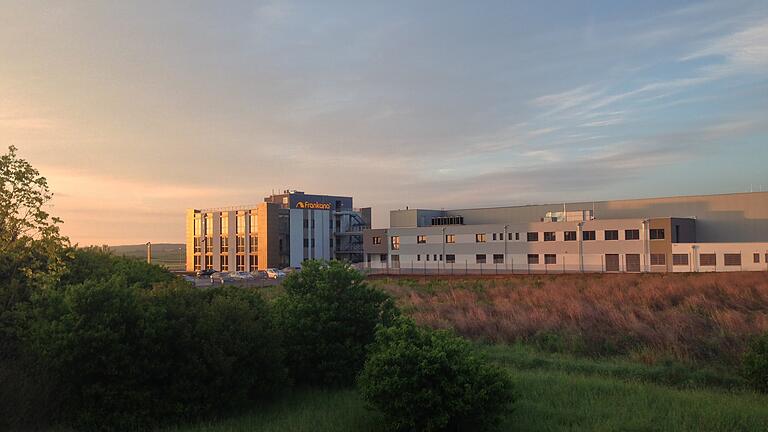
(137, 110)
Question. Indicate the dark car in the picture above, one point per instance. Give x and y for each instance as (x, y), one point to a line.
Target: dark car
(206, 272)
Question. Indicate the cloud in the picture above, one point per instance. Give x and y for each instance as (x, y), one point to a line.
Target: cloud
(745, 51)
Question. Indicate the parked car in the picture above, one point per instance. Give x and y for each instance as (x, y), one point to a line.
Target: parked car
(205, 272)
(240, 275)
(221, 277)
(189, 278)
(259, 274)
(275, 273)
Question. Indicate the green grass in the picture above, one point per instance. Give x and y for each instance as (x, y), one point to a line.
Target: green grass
(554, 393)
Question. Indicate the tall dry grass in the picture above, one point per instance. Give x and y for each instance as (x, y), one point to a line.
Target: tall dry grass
(691, 317)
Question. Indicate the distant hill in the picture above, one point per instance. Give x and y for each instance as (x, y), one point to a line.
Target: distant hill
(171, 255)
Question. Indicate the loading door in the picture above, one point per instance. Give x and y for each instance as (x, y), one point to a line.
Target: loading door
(633, 263)
(612, 262)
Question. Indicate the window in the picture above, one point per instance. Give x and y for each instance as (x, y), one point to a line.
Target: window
(254, 243)
(756, 258)
(533, 236)
(480, 259)
(306, 242)
(657, 233)
(509, 236)
(732, 259)
(434, 257)
(418, 257)
(494, 236)
(631, 234)
(197, 245)
(427, 257)
(549, 236)
(501, 236)
(450, 258)
(533, 259)
(224, 224)
(396, 261)
(658, 259)
(395, 243)
(306, 223)
(209, 224)
(611, 234)
(240, 244)
(550, 259)
(680, 259)
(240, 262)
(254, 262)
(450, 238)
(588, 235)
(224, 244)
(376, 240)
(254, 222)
(480, 238)
(570, 236)
(517, 236)
(241, 224)
(209, 245)
(708, 259)
(198, 230)
(197, 262)
(224, 263)
(383, 257)
(498, 258)
(421, 239)
(208, 262)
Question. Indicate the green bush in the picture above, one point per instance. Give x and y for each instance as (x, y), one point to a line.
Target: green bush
(93, 263)
(427, 380)
(127, 358)
(328, 317)
(755, 364)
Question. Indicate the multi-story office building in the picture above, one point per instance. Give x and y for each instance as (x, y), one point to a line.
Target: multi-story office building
(284, 230)
(696, 233)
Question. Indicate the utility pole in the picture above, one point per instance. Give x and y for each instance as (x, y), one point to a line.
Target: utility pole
(149, 252)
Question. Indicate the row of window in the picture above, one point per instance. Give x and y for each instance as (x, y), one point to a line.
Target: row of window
(224, 223)
(253, 262)
(224, 244)
(629, 234)
(710, 259)
(483, 258)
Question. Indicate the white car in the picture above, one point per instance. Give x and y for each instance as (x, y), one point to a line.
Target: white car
(241, 275)
(275, 273)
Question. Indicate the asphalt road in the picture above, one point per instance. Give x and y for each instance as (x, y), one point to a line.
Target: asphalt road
(256, 282)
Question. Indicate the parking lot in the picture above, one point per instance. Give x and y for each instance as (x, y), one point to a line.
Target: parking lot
(205, 281)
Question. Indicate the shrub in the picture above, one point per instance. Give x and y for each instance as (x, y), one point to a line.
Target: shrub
(328, 317)
(93, 263)
(430, 380)
(127, 358)
(755, 363)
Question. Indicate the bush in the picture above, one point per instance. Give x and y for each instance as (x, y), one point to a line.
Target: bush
(127, 358)
(93, 263)
(328, 317)
(427, 380)
(755, 364)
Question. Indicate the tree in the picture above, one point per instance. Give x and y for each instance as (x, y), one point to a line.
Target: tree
(30, 242)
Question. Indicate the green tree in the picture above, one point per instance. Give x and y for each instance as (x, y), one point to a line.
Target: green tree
(328, 316)
(427, 380)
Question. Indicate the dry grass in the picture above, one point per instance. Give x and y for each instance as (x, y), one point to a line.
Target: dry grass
(696, 317)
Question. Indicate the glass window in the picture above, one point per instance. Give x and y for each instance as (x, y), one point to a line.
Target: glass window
(224, 244)
(549, 236)
(395, 243)
(732, 259)
(208, 262)
(421, 239)
(570, 235)
(240, 244)
(680, 259)
(209, 224)
(198, 226)
(588, 235)
(658, 259)
(708, 259)
(197, 246)
(254, 220)
(253, 243)
(498, 258)
(494, 236)
(533, 258)
(480, 238)
(550, 259)
(631, 234)
(611, 234)
(197, 262)
(241, 223)
(657, 234)
(480, 259)
(517, 236)
(450, 258)
(376, 240)
(450, 238)
(756, 258)
(240, 262)
(509, 236)
(224, 224)
(253, 261)
(224, 262)
(533, 236)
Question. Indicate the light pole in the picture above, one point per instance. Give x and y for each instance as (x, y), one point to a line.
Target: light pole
(442, 257)
(506, 228)
(149, 252)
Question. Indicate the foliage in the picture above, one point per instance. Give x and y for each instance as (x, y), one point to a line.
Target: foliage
(755, 363)
(94, 263)
(428, 380)
(328, 316)
(126, 358)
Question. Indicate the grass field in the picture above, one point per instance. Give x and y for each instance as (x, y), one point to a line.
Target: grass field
(586, 353)
(170, 255)
(554, 393)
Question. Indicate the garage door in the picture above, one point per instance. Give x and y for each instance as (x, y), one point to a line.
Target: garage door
(612, 262)
(633, 263)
